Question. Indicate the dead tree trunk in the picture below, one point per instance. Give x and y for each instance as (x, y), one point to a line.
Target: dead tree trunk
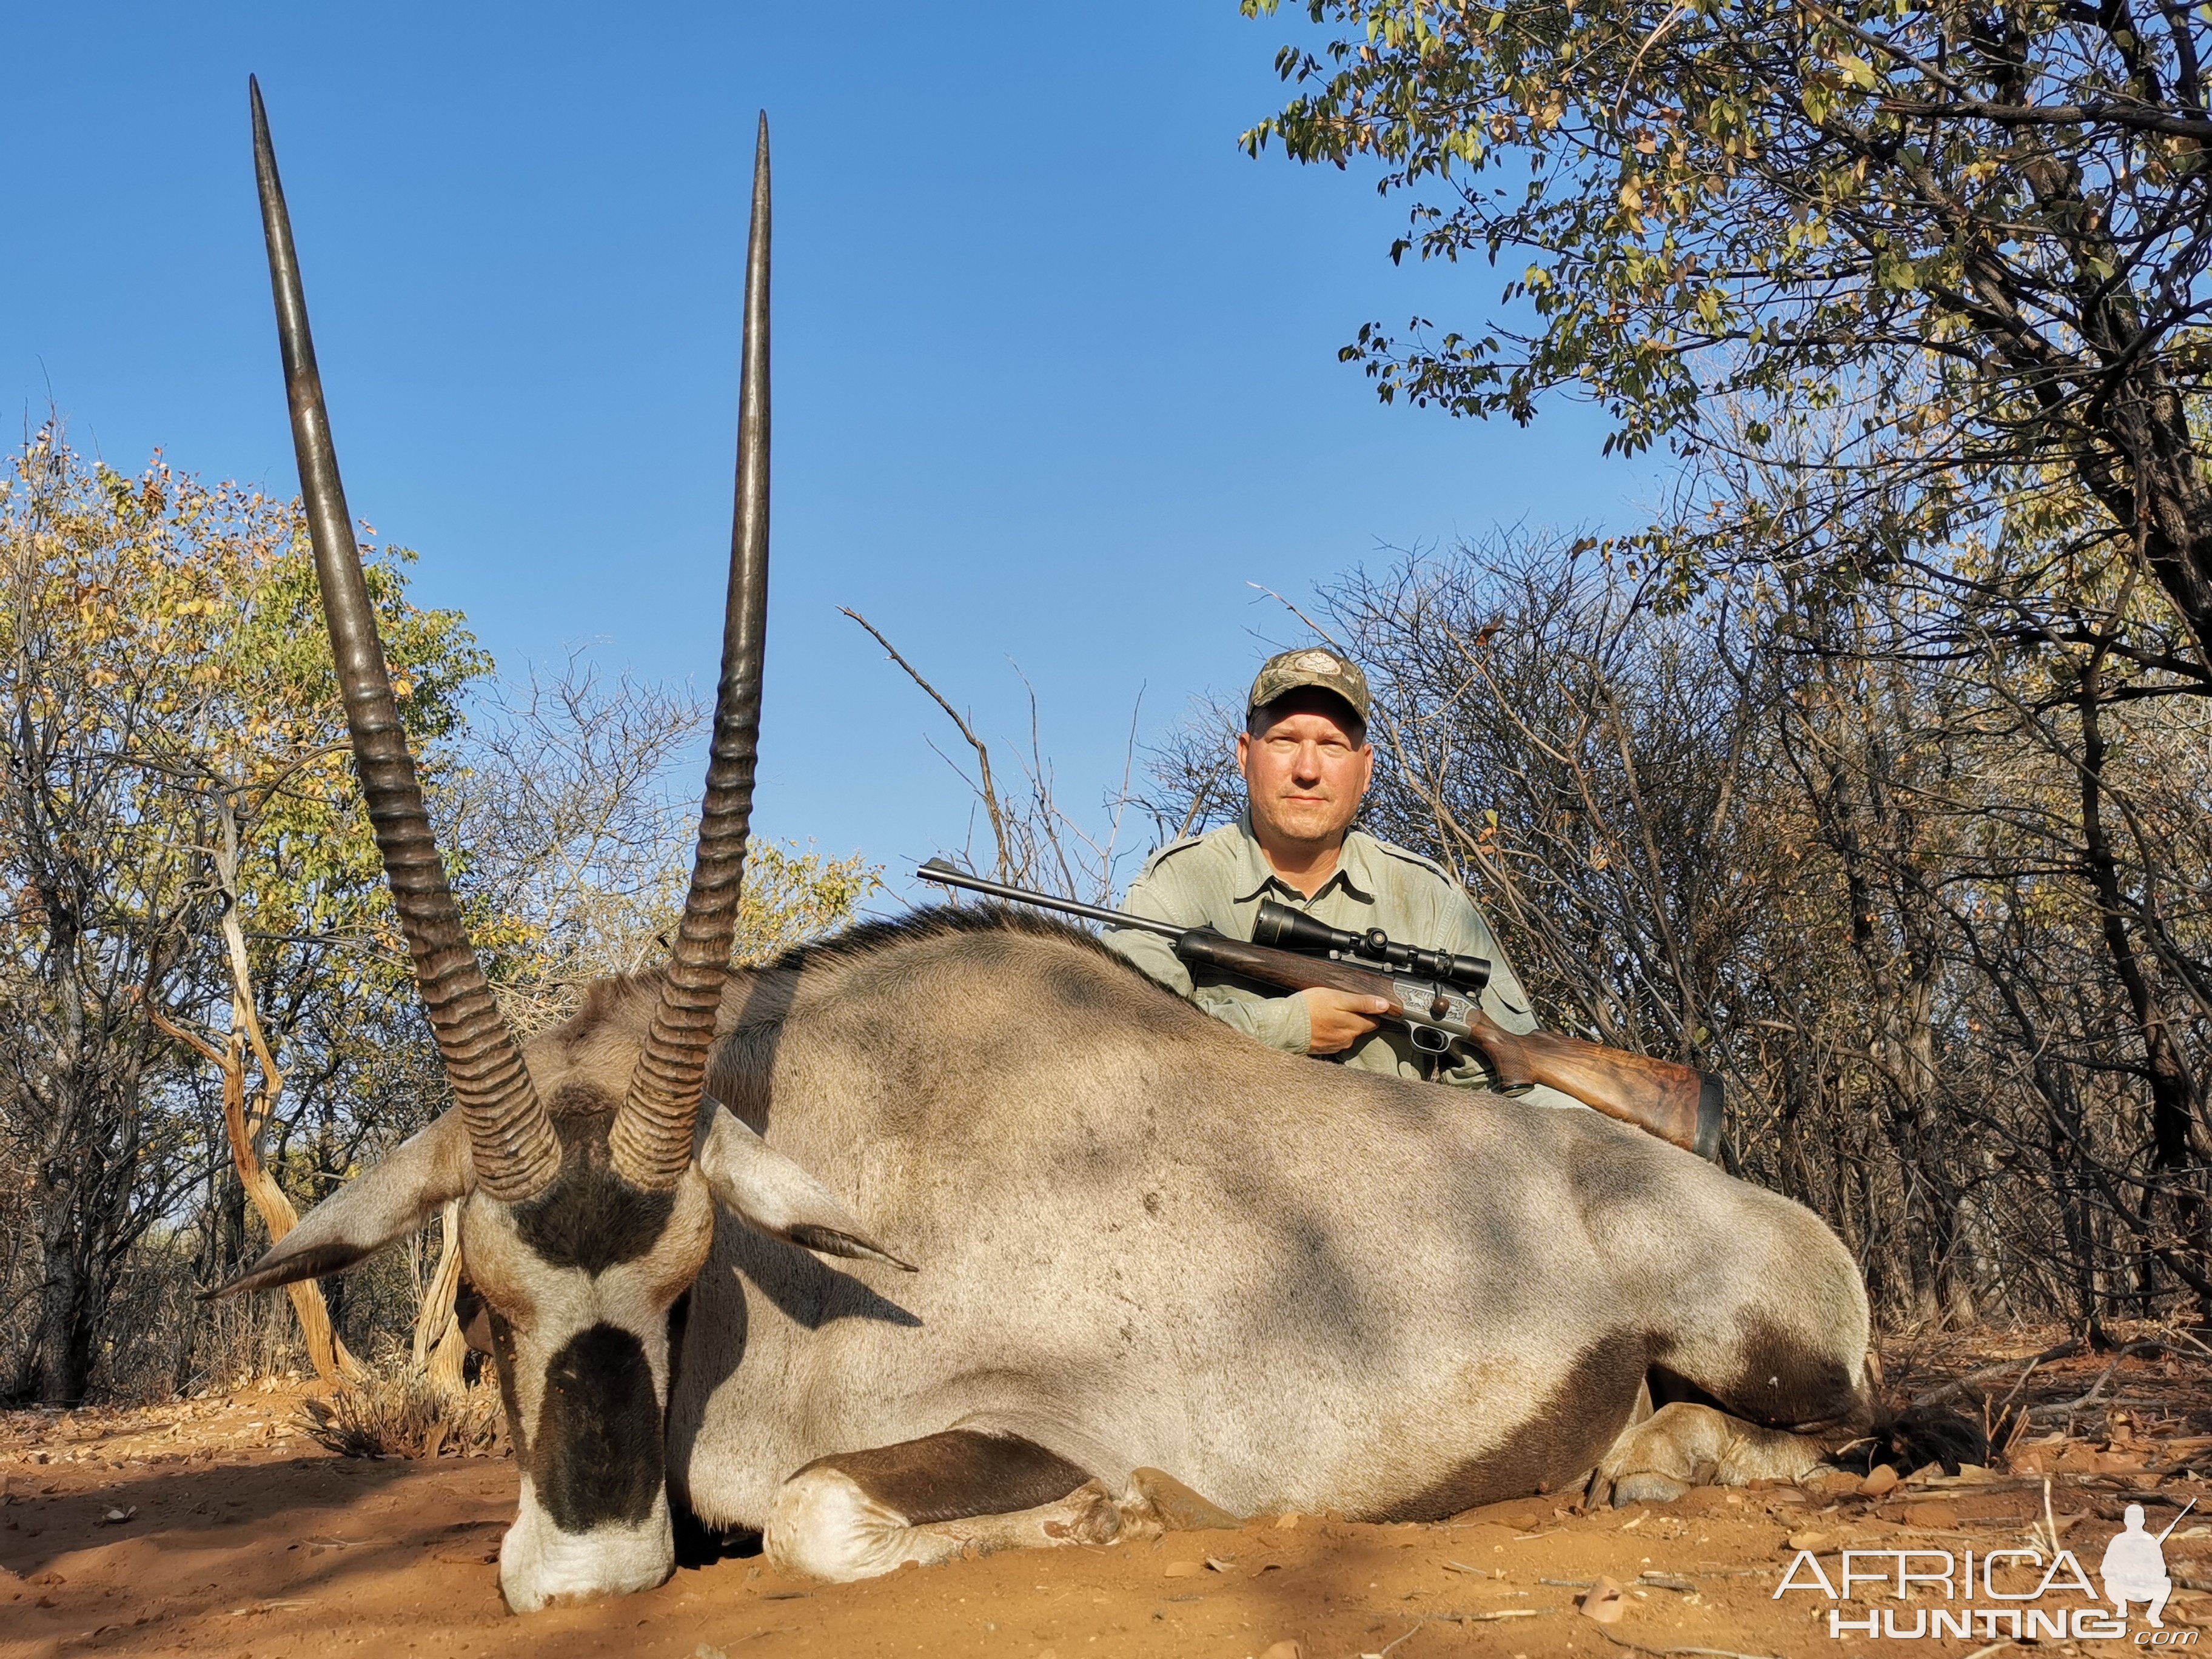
(440, 1349)
(243, 1126)
(244, 1120)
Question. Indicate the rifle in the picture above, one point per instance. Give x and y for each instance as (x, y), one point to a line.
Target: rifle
(1437, 995)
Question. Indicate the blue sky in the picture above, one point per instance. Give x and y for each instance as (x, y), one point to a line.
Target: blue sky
(1056, 363)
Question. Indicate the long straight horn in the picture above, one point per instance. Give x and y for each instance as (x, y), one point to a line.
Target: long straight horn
(650, 1145)
(511, 1139)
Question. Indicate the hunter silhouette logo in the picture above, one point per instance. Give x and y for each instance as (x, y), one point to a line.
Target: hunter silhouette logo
(2134, 1567)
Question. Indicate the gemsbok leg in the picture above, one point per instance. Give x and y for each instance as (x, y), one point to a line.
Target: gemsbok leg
(856, 1514)
(1686, 1444)
(964, 1492)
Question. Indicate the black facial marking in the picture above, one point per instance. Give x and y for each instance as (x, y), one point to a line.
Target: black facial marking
(1560, 1442)
(597, 1455)
(679, 1321)
(957, 1474)
(590, 1217)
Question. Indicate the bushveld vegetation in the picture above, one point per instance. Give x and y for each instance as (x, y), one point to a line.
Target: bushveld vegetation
(207, 1019)
(1873, 773)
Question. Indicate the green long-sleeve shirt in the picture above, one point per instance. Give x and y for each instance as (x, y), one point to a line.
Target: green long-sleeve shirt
(1218, 879)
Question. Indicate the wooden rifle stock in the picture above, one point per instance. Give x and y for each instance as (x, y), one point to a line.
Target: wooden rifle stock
(1672, 1102)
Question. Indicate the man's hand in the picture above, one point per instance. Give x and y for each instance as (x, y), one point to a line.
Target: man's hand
(1340, 1019)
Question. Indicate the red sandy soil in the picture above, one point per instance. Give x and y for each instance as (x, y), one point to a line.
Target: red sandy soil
(238, 1536)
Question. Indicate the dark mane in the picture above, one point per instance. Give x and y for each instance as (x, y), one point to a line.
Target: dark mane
(864, 938)
(625, 1000)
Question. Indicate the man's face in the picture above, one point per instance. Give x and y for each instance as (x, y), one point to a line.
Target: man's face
(1305, 769)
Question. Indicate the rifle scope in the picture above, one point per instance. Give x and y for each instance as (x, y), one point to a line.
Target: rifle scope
(1287, 929)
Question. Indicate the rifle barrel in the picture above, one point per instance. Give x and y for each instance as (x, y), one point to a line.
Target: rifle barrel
(947, 875)
(2176, 1522)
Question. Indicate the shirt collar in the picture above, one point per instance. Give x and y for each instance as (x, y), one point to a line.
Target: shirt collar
(1354, 871)
(1355, 865)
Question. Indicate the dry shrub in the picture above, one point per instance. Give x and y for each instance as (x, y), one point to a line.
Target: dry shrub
(405, 1414)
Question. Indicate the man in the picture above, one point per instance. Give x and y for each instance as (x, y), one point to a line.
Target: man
(1306, 763)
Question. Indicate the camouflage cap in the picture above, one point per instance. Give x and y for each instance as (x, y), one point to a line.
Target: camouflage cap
(1291, 670)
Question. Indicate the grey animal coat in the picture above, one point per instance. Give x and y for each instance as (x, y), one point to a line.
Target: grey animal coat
(1146, 1240)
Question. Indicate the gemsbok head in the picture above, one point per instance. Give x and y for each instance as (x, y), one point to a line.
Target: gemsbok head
(590, 1183)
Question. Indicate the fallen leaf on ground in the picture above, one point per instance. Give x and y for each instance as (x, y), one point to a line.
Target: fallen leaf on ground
(1282, 1650)
(1807, 1541)
(1183, 1570)
(1603, 1602)
(1878, 1482)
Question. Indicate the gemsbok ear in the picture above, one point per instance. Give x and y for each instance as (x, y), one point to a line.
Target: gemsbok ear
(772, 1194)
(383, 1207)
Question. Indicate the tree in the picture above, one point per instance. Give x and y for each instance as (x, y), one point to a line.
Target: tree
(173, 755)
(1537, 724)
(248, 1111)
(575, 802)
(1984, 227)
(193, 898)
(1036, 841)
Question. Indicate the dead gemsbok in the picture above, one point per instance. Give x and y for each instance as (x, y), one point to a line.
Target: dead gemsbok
(1145, 1244)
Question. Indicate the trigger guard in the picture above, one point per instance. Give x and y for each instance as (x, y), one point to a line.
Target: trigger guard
(1429, 1039)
